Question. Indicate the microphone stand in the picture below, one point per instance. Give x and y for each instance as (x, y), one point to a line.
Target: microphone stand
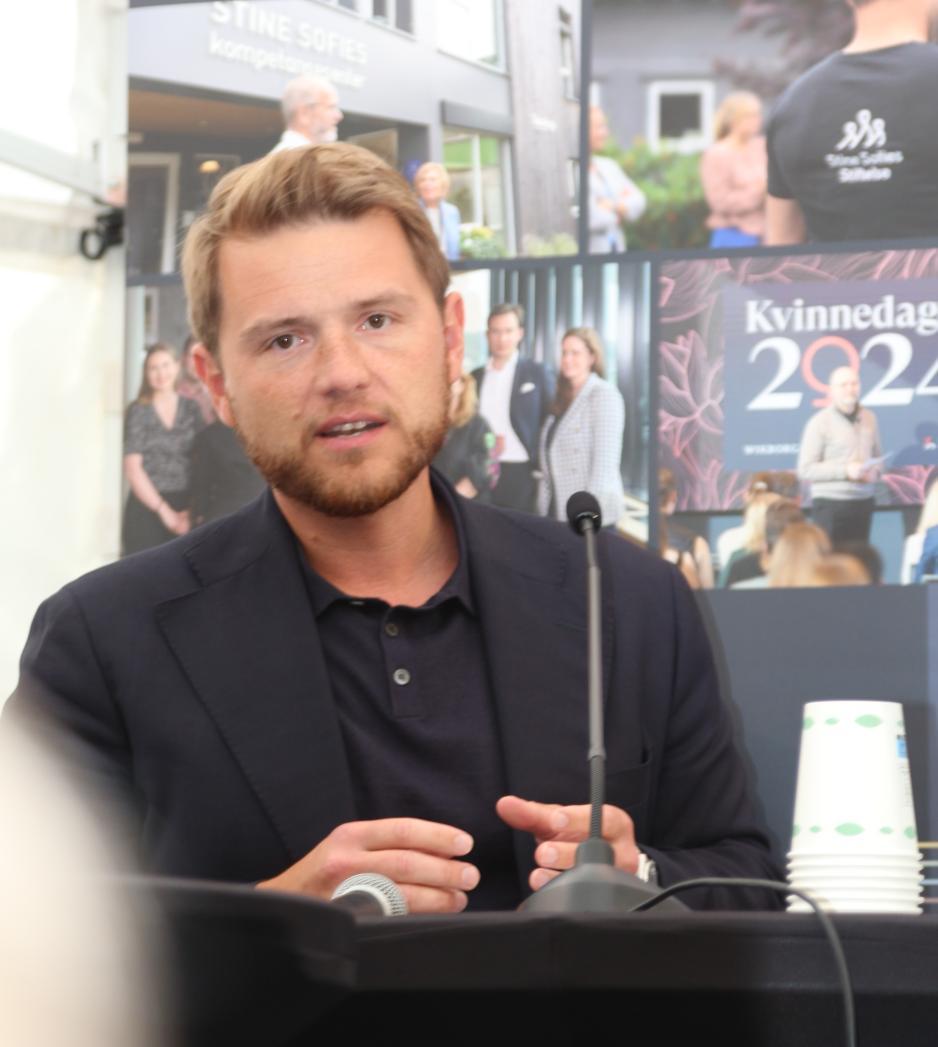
(594, 884)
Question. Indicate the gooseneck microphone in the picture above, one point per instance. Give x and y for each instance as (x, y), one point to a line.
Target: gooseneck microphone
(370, 894)
(594, 884)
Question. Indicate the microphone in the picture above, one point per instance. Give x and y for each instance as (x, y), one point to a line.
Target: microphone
(370, 894)
(583, 512)
(594, 884)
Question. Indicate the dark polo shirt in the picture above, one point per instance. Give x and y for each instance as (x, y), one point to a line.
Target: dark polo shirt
(412, 692)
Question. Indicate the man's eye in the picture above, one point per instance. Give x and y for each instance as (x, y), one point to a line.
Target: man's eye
(283, 341)
(377, 322)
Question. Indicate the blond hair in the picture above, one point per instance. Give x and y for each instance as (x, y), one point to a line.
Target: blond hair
(729, 109)
(754, 520)
(837, 569)
(467, 403)
(432, 165)
(798, 551)
(335, 182)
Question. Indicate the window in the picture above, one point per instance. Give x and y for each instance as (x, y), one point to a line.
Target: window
(680, 114)
(479, 166)
(398, 14)
(567, 55)
(471, 29)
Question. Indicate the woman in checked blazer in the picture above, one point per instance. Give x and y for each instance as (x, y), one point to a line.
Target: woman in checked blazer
(581, 442)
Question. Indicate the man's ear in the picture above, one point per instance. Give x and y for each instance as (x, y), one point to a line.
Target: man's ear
(210, 375)
(454, 322)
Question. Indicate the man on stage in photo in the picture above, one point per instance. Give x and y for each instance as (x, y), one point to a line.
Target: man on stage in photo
(514, 398)
(853, 143)
(840, 457)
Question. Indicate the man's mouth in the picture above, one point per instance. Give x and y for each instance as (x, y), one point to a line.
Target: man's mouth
(354, 427)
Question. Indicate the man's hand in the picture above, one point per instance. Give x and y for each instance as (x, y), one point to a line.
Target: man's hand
(177, 522)
(466, 488)
(859, 474)
(558, 830)
(417, 855)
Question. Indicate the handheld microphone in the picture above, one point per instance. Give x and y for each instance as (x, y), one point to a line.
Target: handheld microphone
(370, 894)
(594, 884)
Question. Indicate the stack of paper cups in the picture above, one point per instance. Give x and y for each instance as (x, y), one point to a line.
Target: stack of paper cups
(854, 844)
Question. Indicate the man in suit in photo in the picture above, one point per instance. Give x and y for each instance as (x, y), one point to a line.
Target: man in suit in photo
(514, 398)
(362, 671)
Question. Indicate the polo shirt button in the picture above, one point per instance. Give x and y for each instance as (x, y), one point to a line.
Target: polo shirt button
(401, 677)
(391, 629)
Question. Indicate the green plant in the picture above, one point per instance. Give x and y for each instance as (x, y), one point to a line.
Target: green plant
(549, 246)
(479, 241)
(676, 211)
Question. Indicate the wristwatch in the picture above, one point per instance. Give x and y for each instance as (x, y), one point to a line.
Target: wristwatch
(647, 869)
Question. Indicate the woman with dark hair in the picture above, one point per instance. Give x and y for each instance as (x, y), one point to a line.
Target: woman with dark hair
(159, 428)
(581, 442)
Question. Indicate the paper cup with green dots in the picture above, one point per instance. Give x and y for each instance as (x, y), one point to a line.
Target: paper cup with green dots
(854, 792)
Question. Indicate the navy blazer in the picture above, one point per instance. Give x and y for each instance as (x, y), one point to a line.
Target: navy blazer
(531, 394)
(191, 678)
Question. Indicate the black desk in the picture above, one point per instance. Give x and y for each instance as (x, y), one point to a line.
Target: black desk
(733, 978)
(275, 970)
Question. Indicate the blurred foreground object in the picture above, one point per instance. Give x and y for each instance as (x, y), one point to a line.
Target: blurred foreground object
(73, 968)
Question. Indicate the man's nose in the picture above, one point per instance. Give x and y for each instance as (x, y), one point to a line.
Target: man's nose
(340, 364)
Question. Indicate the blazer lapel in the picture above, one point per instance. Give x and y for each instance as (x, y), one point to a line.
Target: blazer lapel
(247, 641)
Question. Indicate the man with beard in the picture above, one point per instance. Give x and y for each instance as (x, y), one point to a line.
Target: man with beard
(311, 113)
(361, 671)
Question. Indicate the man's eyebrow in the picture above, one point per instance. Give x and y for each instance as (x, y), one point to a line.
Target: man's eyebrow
(382, 300)
(272, 324)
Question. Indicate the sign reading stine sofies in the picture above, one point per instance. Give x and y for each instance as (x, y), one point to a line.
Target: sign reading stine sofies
(315, 47)
(782, 341)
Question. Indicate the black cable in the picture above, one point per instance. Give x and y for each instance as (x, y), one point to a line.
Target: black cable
(850, 1028)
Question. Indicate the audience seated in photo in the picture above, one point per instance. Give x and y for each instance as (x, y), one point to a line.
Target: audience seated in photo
(868, 555)
(799, 549)
(781, 483)
(837, 569)
(927, 529)
(779, 515)
(681, 558)
(745, 561)
(681, 538)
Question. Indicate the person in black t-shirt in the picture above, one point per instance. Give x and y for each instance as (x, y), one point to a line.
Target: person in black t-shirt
(853, 144)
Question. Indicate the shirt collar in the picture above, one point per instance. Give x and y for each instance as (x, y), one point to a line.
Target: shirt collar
(322, 594)
(510, 364)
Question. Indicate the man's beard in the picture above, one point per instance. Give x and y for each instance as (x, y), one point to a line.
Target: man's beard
(337, 490)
